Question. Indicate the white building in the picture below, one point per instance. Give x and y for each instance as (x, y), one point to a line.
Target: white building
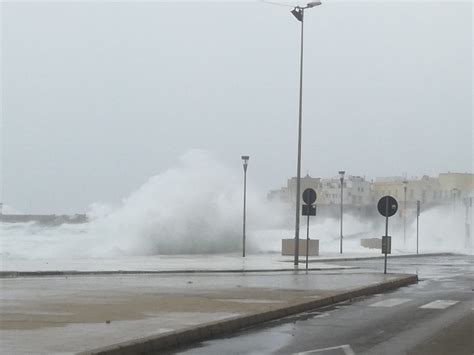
(356, 191)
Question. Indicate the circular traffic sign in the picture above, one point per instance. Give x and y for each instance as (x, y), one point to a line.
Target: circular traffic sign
(387, 206)
(309, 196)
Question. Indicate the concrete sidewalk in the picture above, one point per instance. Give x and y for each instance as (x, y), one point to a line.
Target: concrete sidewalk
(69, 314)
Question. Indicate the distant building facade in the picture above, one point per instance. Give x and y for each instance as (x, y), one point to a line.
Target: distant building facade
(446, 188)
(357, 191)
(288, 193)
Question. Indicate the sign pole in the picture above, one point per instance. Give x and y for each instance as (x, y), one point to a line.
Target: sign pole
(309, 197)
(386, 234)
(387, 207)
(307, 240)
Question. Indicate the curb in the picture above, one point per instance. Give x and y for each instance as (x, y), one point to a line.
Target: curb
(389, 256)
(14, 274)
(205, 331)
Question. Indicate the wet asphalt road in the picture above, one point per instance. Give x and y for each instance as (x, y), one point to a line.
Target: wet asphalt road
(434, 317)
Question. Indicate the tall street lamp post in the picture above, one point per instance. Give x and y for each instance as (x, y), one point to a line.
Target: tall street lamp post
(245, 159)
(405, 185)
(298, 12)
(341, 178)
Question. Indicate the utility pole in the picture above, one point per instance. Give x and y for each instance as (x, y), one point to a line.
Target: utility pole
(245, 159)
(341, 178)
(405, 184)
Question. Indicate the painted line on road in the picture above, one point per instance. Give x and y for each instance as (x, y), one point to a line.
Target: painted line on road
(390, 302)
(247, 300)
(439, 304)
(346, 348)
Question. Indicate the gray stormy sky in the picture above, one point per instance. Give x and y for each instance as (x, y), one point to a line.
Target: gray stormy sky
(98, 96)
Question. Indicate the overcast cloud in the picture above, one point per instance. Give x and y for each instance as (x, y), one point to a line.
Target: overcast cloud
(99, 96)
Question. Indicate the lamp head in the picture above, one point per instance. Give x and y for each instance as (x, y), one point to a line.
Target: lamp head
(313, 4)
(341, 174)
(298, 13)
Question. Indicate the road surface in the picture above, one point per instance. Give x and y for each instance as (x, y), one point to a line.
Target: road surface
(433, 317)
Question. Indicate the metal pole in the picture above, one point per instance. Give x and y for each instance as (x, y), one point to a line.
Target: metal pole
(298, 169)
(405, 217)
(467, 240)
(417, 223)
(342, 181)
(245, 205)
(307, 238)
(386, 235)
(417, 227)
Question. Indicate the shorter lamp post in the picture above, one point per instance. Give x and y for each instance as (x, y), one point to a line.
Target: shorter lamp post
(405, 185)
(245, 159)
(341, 178)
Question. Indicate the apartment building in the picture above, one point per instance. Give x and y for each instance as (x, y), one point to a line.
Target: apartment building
(357, 191)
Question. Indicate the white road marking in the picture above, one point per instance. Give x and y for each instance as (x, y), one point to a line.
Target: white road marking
(390, 302)
(439, 304)
(322, 315)
(247, 300)
(346, 348)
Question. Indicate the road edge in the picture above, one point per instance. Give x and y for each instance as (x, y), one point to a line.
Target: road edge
(206, 331)
(21, 274)
(18, 274)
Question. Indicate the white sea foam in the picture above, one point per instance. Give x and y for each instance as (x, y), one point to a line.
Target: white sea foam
(196, 207)
(193, 207)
